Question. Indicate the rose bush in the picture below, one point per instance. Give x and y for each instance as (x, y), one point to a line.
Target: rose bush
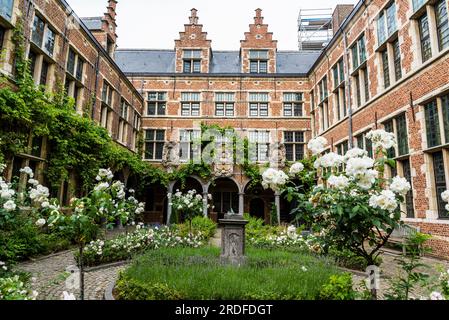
(356, 208)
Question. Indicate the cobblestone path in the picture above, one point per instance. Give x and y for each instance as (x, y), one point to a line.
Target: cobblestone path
(51, 273)
(390, 269)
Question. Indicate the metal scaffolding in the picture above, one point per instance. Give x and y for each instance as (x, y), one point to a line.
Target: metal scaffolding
(314, 28)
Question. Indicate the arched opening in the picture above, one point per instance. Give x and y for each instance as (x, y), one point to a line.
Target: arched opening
(288, 206)
(155, 197)
(189, 184)
(258, 201)
(257, 208)
(225, 197)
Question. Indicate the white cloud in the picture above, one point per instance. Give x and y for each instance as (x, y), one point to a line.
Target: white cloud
(157, 23)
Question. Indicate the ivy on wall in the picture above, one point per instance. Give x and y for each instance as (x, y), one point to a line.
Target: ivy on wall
(75, 143)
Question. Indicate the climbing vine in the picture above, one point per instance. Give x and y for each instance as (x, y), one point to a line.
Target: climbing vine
(77, 146)
(75, 143)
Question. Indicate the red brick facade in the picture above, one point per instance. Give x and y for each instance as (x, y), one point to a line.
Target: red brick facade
(83, 84)
(419, 84)
(395, 64)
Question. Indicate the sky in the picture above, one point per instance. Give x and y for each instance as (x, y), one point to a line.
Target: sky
(155, 24)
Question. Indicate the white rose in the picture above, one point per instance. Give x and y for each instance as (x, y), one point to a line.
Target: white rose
(9, 206)
(339, 182)
(28, 171)
(445, 196)
(7, 194)
(400, 186)
(436, 296)
(317, 145)
(41, 222)
(296, 168)
(355, 153)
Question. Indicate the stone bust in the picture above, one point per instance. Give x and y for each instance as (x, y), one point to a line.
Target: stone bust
(170, 155)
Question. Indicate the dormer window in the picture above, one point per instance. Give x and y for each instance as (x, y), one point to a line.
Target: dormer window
(192, 61)
(258, 61)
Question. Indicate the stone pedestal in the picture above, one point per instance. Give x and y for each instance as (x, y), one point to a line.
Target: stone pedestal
(233, 239)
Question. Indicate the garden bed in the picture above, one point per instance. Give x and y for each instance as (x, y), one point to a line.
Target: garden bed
(196, 274)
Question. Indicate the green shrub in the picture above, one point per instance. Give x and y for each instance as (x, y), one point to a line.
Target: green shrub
(339, 287)
(22, 239)
(199, 224)
(130, 289)
(257, 229)
(348, 259)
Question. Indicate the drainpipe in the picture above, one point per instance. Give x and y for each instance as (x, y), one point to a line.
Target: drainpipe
(348, 91)
(94, 98)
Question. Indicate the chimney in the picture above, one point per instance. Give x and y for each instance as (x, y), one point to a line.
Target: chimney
(193, 19)
(110, 26)
(258, 19)
(341, 12)
(112, 6)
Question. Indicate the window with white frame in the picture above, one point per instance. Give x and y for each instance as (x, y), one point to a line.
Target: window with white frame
(123, 121)
(190, 144)
(364, 143)
(359, 72)
(2, 36)
(190, 104)
(192, 61)
(75, 65)
(442, 22)
(386, 23)
(106, 106)
(293, 104)
(385, 69)
(6, 8)
(323, 104)
(157, 103)
(74, 76)
(339, 90)
(440, 168)
(258, 61)
(43, 35)
(398, 126)
(40, 54)
(136, 128)
(432, 15)
(154, 144)
(358, 52)
(107, 94)
(294, 145)
(258, 104)
(224, 104)
(342, 148)
(259, 145)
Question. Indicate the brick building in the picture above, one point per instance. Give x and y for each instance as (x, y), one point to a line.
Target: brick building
(387, 66)
(259, 91)
(65, 51)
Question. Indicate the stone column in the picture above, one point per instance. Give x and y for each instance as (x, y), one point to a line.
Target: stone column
(241, 203)
(169, 204)
(233, 240)
(277, 202)
(205, 200)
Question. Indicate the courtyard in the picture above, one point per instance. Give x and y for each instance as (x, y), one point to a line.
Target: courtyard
(224, 171)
